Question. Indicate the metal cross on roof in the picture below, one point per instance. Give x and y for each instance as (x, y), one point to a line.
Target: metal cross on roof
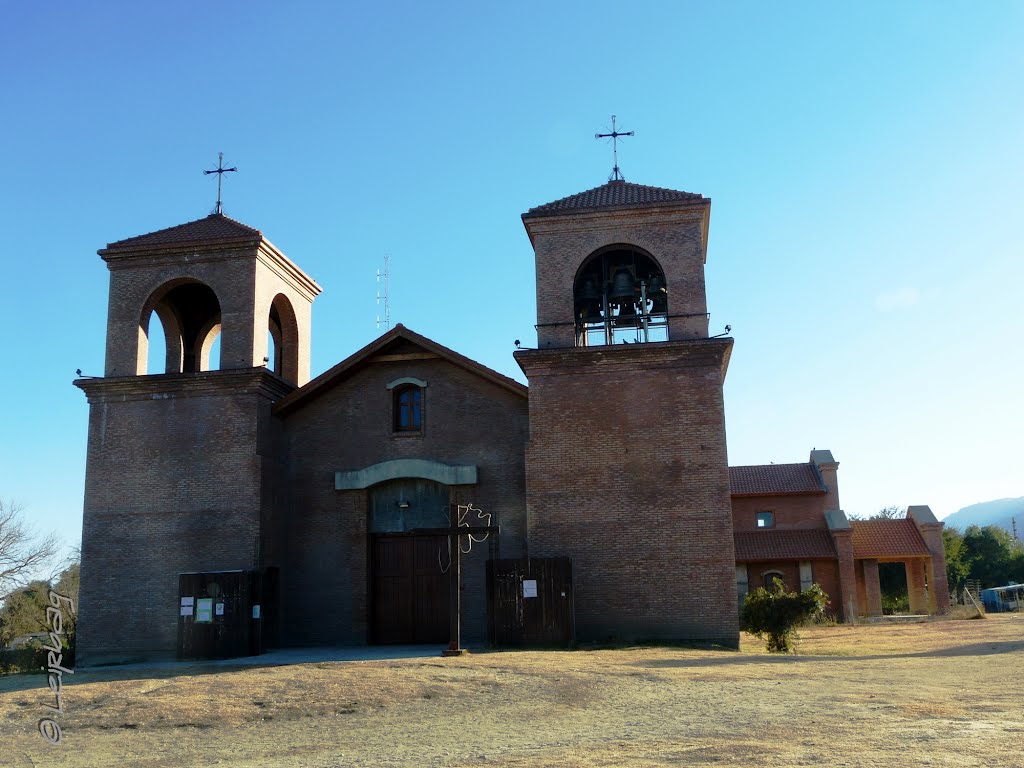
(220, 170)
(614, 136)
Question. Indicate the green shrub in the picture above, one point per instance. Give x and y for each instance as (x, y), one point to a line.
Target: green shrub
(775, 615)
(31, 658)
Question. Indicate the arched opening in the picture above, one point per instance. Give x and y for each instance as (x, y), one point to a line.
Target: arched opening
(155, 342)
(283, 339)
(620, 297)
(189, 317)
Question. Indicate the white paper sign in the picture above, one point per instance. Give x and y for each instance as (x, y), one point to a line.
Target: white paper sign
(255, 611)
(529, 587)
(220, 609)
(187, 601)
(186, 606)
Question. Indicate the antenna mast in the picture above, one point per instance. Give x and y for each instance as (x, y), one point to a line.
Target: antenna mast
(386, 296)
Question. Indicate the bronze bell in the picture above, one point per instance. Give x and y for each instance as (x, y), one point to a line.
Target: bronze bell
(589, 291)
(623, 289)
(655, 285)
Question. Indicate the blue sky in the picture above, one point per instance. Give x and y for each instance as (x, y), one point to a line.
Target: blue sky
(865, 165)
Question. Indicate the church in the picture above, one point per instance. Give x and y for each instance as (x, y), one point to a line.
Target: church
(247, 496)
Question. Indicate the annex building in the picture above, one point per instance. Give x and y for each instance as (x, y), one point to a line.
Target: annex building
(326, 494)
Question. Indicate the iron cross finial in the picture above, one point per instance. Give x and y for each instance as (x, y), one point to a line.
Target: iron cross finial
(614, 136)
(220, 170)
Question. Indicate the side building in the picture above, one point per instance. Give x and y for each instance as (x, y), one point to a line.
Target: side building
(788, 524)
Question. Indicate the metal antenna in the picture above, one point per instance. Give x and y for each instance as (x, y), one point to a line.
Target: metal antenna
(614, 136)
(386, 297)
(220, 170)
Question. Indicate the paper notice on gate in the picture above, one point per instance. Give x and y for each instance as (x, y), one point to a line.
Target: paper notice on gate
(529, 587)
(186, 606)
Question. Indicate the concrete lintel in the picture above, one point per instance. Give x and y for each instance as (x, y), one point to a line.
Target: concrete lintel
(447, 474)
(406, 380)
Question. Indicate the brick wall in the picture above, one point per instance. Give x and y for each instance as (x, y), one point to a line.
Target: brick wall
(627, 475)
(176, 466)
(790, 511)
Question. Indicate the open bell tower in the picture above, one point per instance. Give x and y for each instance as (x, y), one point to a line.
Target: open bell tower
(627, 471)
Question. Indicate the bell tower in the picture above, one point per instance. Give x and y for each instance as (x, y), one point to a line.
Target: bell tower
(627, 471)
(185, 468)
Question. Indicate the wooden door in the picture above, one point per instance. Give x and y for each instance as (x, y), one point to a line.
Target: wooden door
(410, 593)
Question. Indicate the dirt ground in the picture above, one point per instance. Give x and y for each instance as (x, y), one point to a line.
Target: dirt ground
(945, 693)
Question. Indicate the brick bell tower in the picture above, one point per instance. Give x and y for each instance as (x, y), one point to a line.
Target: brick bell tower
(183, 471)
(627, 471)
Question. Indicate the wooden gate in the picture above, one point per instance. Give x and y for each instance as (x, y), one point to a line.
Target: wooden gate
(410, 593)
(219, 614)
(530, 602)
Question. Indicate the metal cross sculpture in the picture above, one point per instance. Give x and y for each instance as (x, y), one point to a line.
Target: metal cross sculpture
(614, 136)
(220, 170)
(459, 527)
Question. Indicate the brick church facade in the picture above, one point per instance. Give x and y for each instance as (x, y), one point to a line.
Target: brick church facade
(614, 457)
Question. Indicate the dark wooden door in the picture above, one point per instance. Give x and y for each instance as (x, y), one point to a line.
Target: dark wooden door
(410, 593)
(530, 602)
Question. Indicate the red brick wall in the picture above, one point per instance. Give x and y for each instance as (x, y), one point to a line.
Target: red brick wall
(790, 511)
(627, 475)
(467, 420)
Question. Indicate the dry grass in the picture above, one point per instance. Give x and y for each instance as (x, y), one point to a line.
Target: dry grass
(938, 694)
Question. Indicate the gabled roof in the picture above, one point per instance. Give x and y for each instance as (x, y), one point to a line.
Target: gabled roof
(349, 365)
(887, 538)
(775, 480)
(215, 228)
(615, 194)
(776, 544)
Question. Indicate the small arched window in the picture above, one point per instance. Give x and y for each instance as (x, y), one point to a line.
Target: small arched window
(408, 408)
(768, 579)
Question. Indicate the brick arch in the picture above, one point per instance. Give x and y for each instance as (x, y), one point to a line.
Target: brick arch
(284, 329)
(189, 311)
(600, 315)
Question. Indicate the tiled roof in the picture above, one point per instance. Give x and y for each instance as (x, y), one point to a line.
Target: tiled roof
(614, 194)
(887, 538)
(214, 228)
(775, 544)
(775, 480)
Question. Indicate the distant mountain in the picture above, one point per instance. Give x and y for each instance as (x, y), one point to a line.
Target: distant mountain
(997, 512)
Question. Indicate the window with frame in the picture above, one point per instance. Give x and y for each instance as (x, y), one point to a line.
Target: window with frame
(408, 408)
(765, 519)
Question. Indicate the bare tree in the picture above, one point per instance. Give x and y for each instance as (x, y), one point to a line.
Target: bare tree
(22, 551)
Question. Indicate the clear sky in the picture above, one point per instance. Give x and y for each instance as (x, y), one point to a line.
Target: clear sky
(864, 161)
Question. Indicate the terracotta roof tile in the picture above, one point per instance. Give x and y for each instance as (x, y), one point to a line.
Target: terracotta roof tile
(887, 538)
(775, 480)
(774, 544)
(614, 194)
(214, 228)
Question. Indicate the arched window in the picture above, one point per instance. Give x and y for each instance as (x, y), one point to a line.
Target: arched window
(408, 408)
(768, 579)
(620, 296)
